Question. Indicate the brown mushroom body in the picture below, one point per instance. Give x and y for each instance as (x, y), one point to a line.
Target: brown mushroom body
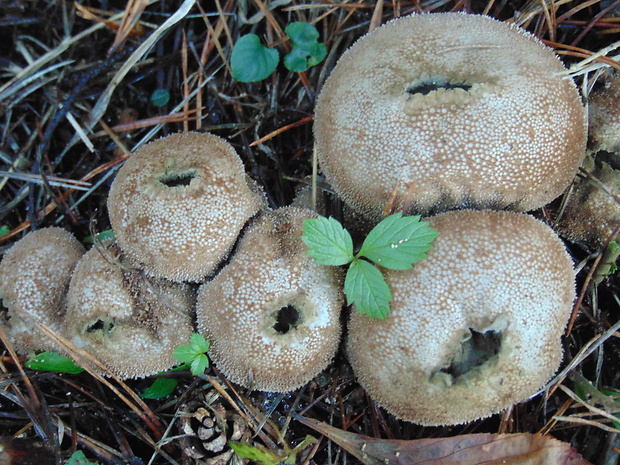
(131, 324)
(272, 314)
(34, 278)
(473, 328)
(604, 116)
(179, 203)
(592, 214)
(449, 110)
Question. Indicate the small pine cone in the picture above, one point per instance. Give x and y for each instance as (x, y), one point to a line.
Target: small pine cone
(207, 428)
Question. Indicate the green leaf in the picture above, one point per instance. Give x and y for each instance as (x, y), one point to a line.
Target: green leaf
(4, 230)
(306, 50)
(248, 451)
(398, 242)
(78, 458)
(328, 241)
(251, 61)
(53, 361)
(184, 354)
(302, 35)
(199, 344)
(199, 365)
(102, 236)
(365, 287)
(160, 97)
(160, 388)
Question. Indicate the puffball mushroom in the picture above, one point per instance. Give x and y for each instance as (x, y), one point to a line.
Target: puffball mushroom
(449, 110)
(128, 322)
(592, 214)
(179, 203)
(473, 328)
(604, 116)
(34, 278)
(272, 314)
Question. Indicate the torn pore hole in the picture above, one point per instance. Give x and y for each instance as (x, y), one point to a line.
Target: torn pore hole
(474, 352)
(179, 178)
(286, 319)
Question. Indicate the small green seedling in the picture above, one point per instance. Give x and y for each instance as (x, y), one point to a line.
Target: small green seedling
(396, 243)
(160, 97)
(102, 236)
(264, 456)
(4, 230)
(78, 458)
(194, 355)
(307, 51)
(251, 61)
(53, 361)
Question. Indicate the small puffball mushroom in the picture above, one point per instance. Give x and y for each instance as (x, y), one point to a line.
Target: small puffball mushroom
(604, 116)
(130, 323)
(592, 214)
(473, 328)
(34, 278)
(449, 110)
(179, 203)
(272, 314)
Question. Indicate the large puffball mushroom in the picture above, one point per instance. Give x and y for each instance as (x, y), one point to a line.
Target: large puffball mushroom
(34, 278)
(604, 116)
(449, 110)
(473, 328)
(272, 314)
(130, 323)
(592, 213)
(178, 204)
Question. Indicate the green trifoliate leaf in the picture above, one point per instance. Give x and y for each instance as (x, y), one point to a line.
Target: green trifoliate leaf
(365, 287)
(328, 241)
(160, 388)
(199, 344)
(398, 242)
(184, 354)
(53, 361)
(199, 365)
(251, 61)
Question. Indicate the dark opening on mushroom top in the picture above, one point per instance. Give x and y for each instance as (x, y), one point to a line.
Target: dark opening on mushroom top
(272, 314)
(473, 328)
(127, 321)
(449, 110)
(178, 204)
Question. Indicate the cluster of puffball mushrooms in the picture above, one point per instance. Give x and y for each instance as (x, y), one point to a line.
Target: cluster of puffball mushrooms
(462, 118)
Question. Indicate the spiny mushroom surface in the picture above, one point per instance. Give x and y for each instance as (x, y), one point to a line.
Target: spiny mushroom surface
(473, 328)
(592, 214)
(130, 323)
(34, 278)
(179, 203)
(272, 314)
(449, 110)
(604, 116)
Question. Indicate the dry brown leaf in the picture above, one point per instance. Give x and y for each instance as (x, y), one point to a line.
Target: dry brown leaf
(469, 449)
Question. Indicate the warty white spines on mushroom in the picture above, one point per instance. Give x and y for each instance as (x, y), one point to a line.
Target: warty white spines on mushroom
(473, 328)
(179, 203)
(272, 314)
(127, 321)
(34, 278)
(449, 110)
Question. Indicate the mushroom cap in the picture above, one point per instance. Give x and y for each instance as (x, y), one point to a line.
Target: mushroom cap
(473, 328)
(591, 215)
(34, 278)
(604, 116)
(449, 110)
(130, 323)
(178, 204)
(272, 314)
